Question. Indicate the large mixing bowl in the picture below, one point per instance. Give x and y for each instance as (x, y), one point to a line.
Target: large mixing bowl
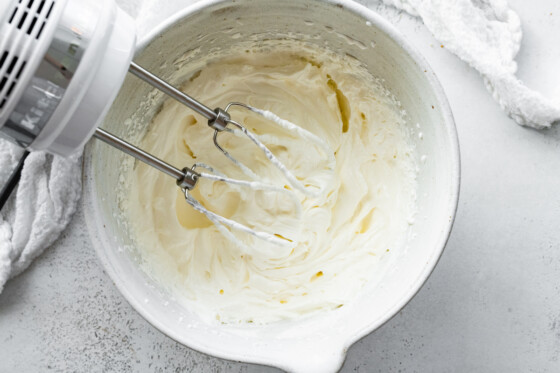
(318, 343)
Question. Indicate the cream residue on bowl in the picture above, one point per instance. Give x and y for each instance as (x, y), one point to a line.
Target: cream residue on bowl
(362, 216)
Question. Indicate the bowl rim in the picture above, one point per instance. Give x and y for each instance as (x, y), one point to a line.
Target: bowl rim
(451, 133)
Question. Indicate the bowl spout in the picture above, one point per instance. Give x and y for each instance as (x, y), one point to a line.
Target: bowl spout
(315, 358)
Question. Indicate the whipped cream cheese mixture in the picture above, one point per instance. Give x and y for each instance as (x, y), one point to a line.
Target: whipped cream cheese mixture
(361, 215)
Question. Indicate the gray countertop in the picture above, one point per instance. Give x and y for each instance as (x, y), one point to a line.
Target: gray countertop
(492, 303)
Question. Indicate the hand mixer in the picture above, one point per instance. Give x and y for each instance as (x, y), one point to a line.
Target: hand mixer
(62, 63)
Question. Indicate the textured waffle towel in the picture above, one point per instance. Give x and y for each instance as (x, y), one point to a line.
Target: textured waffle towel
(45, 200)
(486, 34)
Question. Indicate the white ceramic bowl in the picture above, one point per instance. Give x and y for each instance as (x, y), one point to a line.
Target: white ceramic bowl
(318, 343)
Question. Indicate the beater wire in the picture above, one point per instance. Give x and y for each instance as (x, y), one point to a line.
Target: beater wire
(221, 222)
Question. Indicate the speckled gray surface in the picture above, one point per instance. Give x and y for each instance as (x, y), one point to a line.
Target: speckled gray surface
(492, 304)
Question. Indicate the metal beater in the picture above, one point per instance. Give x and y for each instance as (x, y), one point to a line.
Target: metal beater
(219, 120)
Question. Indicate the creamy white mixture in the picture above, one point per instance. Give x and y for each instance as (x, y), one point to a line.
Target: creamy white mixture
(361, 215)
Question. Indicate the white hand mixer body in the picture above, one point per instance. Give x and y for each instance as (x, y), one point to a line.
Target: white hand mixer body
(62, 62)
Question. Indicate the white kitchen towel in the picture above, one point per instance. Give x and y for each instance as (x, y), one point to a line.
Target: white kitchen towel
(486, 34)
(41, 208)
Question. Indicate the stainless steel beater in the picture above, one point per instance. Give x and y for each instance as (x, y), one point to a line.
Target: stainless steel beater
(219, 120)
